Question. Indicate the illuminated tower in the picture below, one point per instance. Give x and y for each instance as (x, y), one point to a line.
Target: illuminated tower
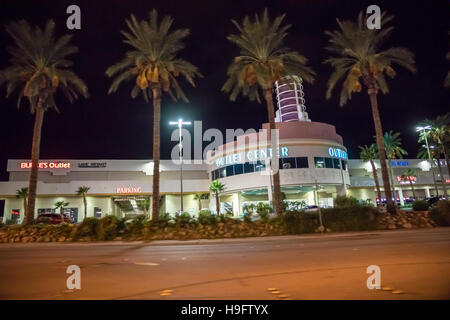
(290, 101)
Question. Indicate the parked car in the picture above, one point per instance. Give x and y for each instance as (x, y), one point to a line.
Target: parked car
(311, 208)
(53, 218)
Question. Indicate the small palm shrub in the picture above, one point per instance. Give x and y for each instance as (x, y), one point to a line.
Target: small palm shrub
(441, 213)
(420, 205)
(108, 228)
(183, 220)
(87, 228)
(351, 218)
(263, 210)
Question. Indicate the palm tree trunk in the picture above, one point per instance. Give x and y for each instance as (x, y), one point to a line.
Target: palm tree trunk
(380, 144)
(199, 205)
(391, 177)
(375, 178)
(276, 176)
(85, 206)
(444, 149)
(412, 188)
(217, 203)
(156, 150)
(35, 149)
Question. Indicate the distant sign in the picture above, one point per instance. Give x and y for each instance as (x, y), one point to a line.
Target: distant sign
(91, 164)
(47, 165)
(128, 190)
(337, 153)
(400, 163)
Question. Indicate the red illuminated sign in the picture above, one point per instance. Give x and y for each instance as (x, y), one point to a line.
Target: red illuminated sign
(408, 178)
(46, 165)
(129, 190)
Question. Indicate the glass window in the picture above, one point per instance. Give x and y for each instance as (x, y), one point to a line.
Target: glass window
(97, 212)
(328, 163)
(214, 175)
(229, 171)
(260, 166)
(336, 164)
(238, 169)
(302, 162)
(249, 167)
(288, 163)
(319, 162)
(344, 165)
(222, 173)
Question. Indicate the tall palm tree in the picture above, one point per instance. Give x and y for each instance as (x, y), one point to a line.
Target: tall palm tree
(392, 144)
(153, 64)
(61, 205)
(408, 175)
(82, 191)
(217, 187)
(39, 66)
(369, 154)
(263, 59)
(23, 193)
(358, 56)
(440, 135)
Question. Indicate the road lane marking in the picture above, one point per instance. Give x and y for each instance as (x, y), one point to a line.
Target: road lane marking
(146, 264)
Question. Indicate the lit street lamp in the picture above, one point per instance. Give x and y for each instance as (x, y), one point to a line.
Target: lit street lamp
(419, 129)
(180, 124)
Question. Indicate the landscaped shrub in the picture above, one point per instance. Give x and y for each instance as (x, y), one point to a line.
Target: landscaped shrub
(344, 201)
(87, 228)
(420, 205)
(263, 210)
(108, 228)
(136, 225)
(205, 217)
(441, 213)
(297, 222)
(183, 219)
(247, 217)
(350, 218)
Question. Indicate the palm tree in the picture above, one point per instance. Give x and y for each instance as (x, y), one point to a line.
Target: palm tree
(199, 197)
(153, 64)
(217, 187)
(263, 59)
(82, 191)
(369, 154)
(392, 144)
(408, 175)
(440, 134)
(358, 56)
(61, 205)
(23, 193)
(39, 66)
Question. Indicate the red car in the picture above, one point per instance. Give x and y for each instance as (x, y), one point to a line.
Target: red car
(53, 218)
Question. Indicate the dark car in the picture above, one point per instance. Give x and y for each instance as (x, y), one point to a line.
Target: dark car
(53, 218)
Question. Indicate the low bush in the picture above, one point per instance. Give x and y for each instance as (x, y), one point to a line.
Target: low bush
(263, 210)
(344, 202)
(247, 217)
(183, 220)
(297, 222)
(350, 218)
(205, 217)
(441, 213)
(87, 228)
(108, 228)
(420, 205)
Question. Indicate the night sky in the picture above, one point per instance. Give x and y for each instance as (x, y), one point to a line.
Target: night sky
(118, 127)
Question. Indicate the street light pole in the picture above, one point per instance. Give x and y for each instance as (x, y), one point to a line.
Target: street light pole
(180, 124)
(419, 129)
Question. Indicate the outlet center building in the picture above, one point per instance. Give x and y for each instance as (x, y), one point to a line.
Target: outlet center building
(311, 158)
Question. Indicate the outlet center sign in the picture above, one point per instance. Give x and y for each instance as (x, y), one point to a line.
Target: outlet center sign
(250, 156)
(337, 153)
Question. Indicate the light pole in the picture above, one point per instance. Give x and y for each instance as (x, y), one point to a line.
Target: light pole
(419, 129)
(180, 124)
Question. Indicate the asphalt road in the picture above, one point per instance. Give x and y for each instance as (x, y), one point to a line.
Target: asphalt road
(414, 262)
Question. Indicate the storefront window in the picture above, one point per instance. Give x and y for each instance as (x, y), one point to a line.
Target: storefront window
(222, 173)
(288, 163)
(319, 162)
(249, 167)
(238, 169)
(97, 212)
(328, 163)
(336, 164)
(260, 166)
(302, 162)
(229, 171)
